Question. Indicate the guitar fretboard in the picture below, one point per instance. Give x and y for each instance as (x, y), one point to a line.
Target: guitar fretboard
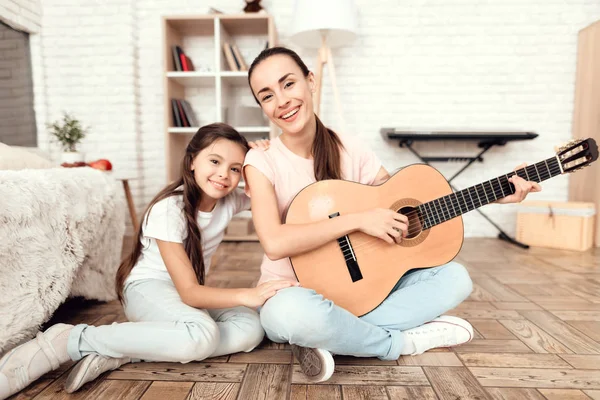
(451, 206)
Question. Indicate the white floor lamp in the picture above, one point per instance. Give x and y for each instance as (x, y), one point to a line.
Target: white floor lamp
(323, 24)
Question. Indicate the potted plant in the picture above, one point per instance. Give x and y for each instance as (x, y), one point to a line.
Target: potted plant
(69, 134)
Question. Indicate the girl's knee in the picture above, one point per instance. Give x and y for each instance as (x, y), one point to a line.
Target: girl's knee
(251, 331)
(203, 341)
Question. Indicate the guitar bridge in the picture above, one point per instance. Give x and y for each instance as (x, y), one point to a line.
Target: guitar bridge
(349, 255)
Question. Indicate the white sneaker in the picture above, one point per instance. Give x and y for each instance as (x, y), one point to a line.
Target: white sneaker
(17, 369)
(317, 364)
(444, 331)
(91, 367)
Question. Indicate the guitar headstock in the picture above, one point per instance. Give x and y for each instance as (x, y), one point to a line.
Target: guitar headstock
(577, 154)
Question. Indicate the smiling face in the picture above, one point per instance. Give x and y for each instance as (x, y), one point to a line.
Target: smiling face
(217, 168)
(284, 93)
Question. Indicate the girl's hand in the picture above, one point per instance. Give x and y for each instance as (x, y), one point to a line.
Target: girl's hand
(261, 144)
(257, 296)
(384, 223)
(522, 188)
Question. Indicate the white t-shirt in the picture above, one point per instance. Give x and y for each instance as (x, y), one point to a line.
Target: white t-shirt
(166, 221)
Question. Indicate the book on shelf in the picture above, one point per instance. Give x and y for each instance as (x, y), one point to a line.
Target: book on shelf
(181, 62)
(229, 57)
(235, 60)
(238, 58)
(183, 114)
(189, 112)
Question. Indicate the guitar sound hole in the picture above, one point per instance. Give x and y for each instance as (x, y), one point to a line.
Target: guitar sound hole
(414, 221)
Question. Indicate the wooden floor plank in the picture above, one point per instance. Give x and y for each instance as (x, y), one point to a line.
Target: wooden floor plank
(455, 383)
(480, 294)
(568, 305)
(579, 361)
(431, 359)
(589, 328)
(33, 389)
(515, 394)
(411, 393)
(491, 329)
(192, 372)
(513, 360)
(564, 394)
(578, 315)
(213, 391)
(594, 394)
(528, 289)
(100, 389)
(266, 381)
(364, 392)
(516, 306)
(56, 390)
(369, 375)
(563, 332)
(310, 392)
(171, 390)
(499, 291)
(263, 356)
(493, 346)
(349, 360)
(537, 378)
(489, 314)
(534, 337)
(476, 305)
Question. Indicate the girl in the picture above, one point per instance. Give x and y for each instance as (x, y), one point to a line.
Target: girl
(161, 284)
(408, 321)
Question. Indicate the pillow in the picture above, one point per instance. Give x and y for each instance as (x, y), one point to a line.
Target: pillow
(15, 158)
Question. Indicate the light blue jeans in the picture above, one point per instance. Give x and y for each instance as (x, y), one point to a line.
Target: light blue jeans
(301, 316)
(163, 328)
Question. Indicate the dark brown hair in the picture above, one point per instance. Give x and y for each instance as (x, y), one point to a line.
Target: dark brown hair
(187, 187)
(327, 145)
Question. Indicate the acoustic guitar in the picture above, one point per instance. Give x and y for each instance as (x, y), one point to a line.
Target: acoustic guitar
(358, 271)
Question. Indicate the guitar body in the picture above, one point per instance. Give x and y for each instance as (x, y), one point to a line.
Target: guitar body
(381, 264)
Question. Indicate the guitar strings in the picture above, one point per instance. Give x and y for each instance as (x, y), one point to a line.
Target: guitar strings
(368, 243)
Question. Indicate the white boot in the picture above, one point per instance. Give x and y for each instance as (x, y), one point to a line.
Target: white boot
(91, 367)
(27, 362)
(444, 331)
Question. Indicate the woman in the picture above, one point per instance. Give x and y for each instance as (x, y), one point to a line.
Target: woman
(410, 320)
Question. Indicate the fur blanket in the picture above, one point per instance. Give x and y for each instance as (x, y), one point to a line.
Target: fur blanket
(61, 233)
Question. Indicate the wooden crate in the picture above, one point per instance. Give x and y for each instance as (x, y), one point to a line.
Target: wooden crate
(558, 225)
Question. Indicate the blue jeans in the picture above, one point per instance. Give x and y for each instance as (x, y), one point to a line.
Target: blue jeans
(301, 316)
(163, 328)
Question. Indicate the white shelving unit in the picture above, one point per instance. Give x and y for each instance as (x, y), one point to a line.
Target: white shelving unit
(211, 89)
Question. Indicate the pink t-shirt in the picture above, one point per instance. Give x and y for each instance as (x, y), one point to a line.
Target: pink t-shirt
(290, 173)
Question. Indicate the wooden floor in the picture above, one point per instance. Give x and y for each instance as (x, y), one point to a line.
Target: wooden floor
(536, 315)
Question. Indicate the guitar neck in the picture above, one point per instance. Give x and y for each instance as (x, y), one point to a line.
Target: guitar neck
(451, 206)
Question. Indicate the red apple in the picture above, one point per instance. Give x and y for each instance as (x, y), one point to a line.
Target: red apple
(107, 164)
(101, 164)
(98, 165)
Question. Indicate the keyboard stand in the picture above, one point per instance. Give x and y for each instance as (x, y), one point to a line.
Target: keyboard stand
(485, 141)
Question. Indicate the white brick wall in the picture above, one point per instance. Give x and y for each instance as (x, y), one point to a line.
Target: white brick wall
(437, 63)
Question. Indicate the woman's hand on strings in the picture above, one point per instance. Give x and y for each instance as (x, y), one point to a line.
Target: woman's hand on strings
(384, 224)
(522, 188)
(257, 296)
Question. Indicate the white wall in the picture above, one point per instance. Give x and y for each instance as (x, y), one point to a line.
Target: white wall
(436, 64)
